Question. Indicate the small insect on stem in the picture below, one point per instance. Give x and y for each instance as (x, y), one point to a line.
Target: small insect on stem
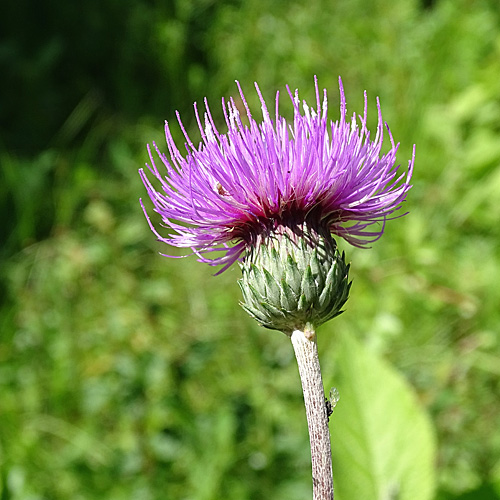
(329, 409)
(331, 401)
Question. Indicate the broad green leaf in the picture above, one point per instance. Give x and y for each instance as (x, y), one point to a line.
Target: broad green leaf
(383, 442)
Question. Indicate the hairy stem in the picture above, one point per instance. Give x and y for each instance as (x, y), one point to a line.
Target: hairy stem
(306, 352)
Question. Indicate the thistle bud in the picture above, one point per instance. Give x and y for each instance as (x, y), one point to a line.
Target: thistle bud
(294, 277)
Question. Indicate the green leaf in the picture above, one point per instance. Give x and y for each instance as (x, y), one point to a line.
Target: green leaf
(382, 439)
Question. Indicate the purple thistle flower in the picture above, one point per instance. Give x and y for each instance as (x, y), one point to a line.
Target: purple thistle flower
(235, 188)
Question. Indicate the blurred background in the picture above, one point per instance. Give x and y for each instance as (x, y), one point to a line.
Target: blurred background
(124, 374)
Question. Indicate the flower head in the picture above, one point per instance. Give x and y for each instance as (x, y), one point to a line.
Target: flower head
(238, 187)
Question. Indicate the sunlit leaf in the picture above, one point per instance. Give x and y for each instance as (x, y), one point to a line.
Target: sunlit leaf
(383, 444)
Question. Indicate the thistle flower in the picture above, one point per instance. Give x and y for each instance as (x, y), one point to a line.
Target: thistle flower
(275, 181)
(273, 195)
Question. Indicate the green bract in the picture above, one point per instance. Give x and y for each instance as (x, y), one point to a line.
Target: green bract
(294, 277)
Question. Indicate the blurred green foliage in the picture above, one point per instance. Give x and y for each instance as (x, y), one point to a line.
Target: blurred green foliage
(127, 375)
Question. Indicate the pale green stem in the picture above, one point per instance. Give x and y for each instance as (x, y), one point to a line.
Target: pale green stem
(306, 352)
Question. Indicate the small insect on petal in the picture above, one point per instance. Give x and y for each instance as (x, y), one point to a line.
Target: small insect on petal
(220, 189)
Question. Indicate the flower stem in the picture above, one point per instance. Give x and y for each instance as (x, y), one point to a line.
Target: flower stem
(306, 352)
